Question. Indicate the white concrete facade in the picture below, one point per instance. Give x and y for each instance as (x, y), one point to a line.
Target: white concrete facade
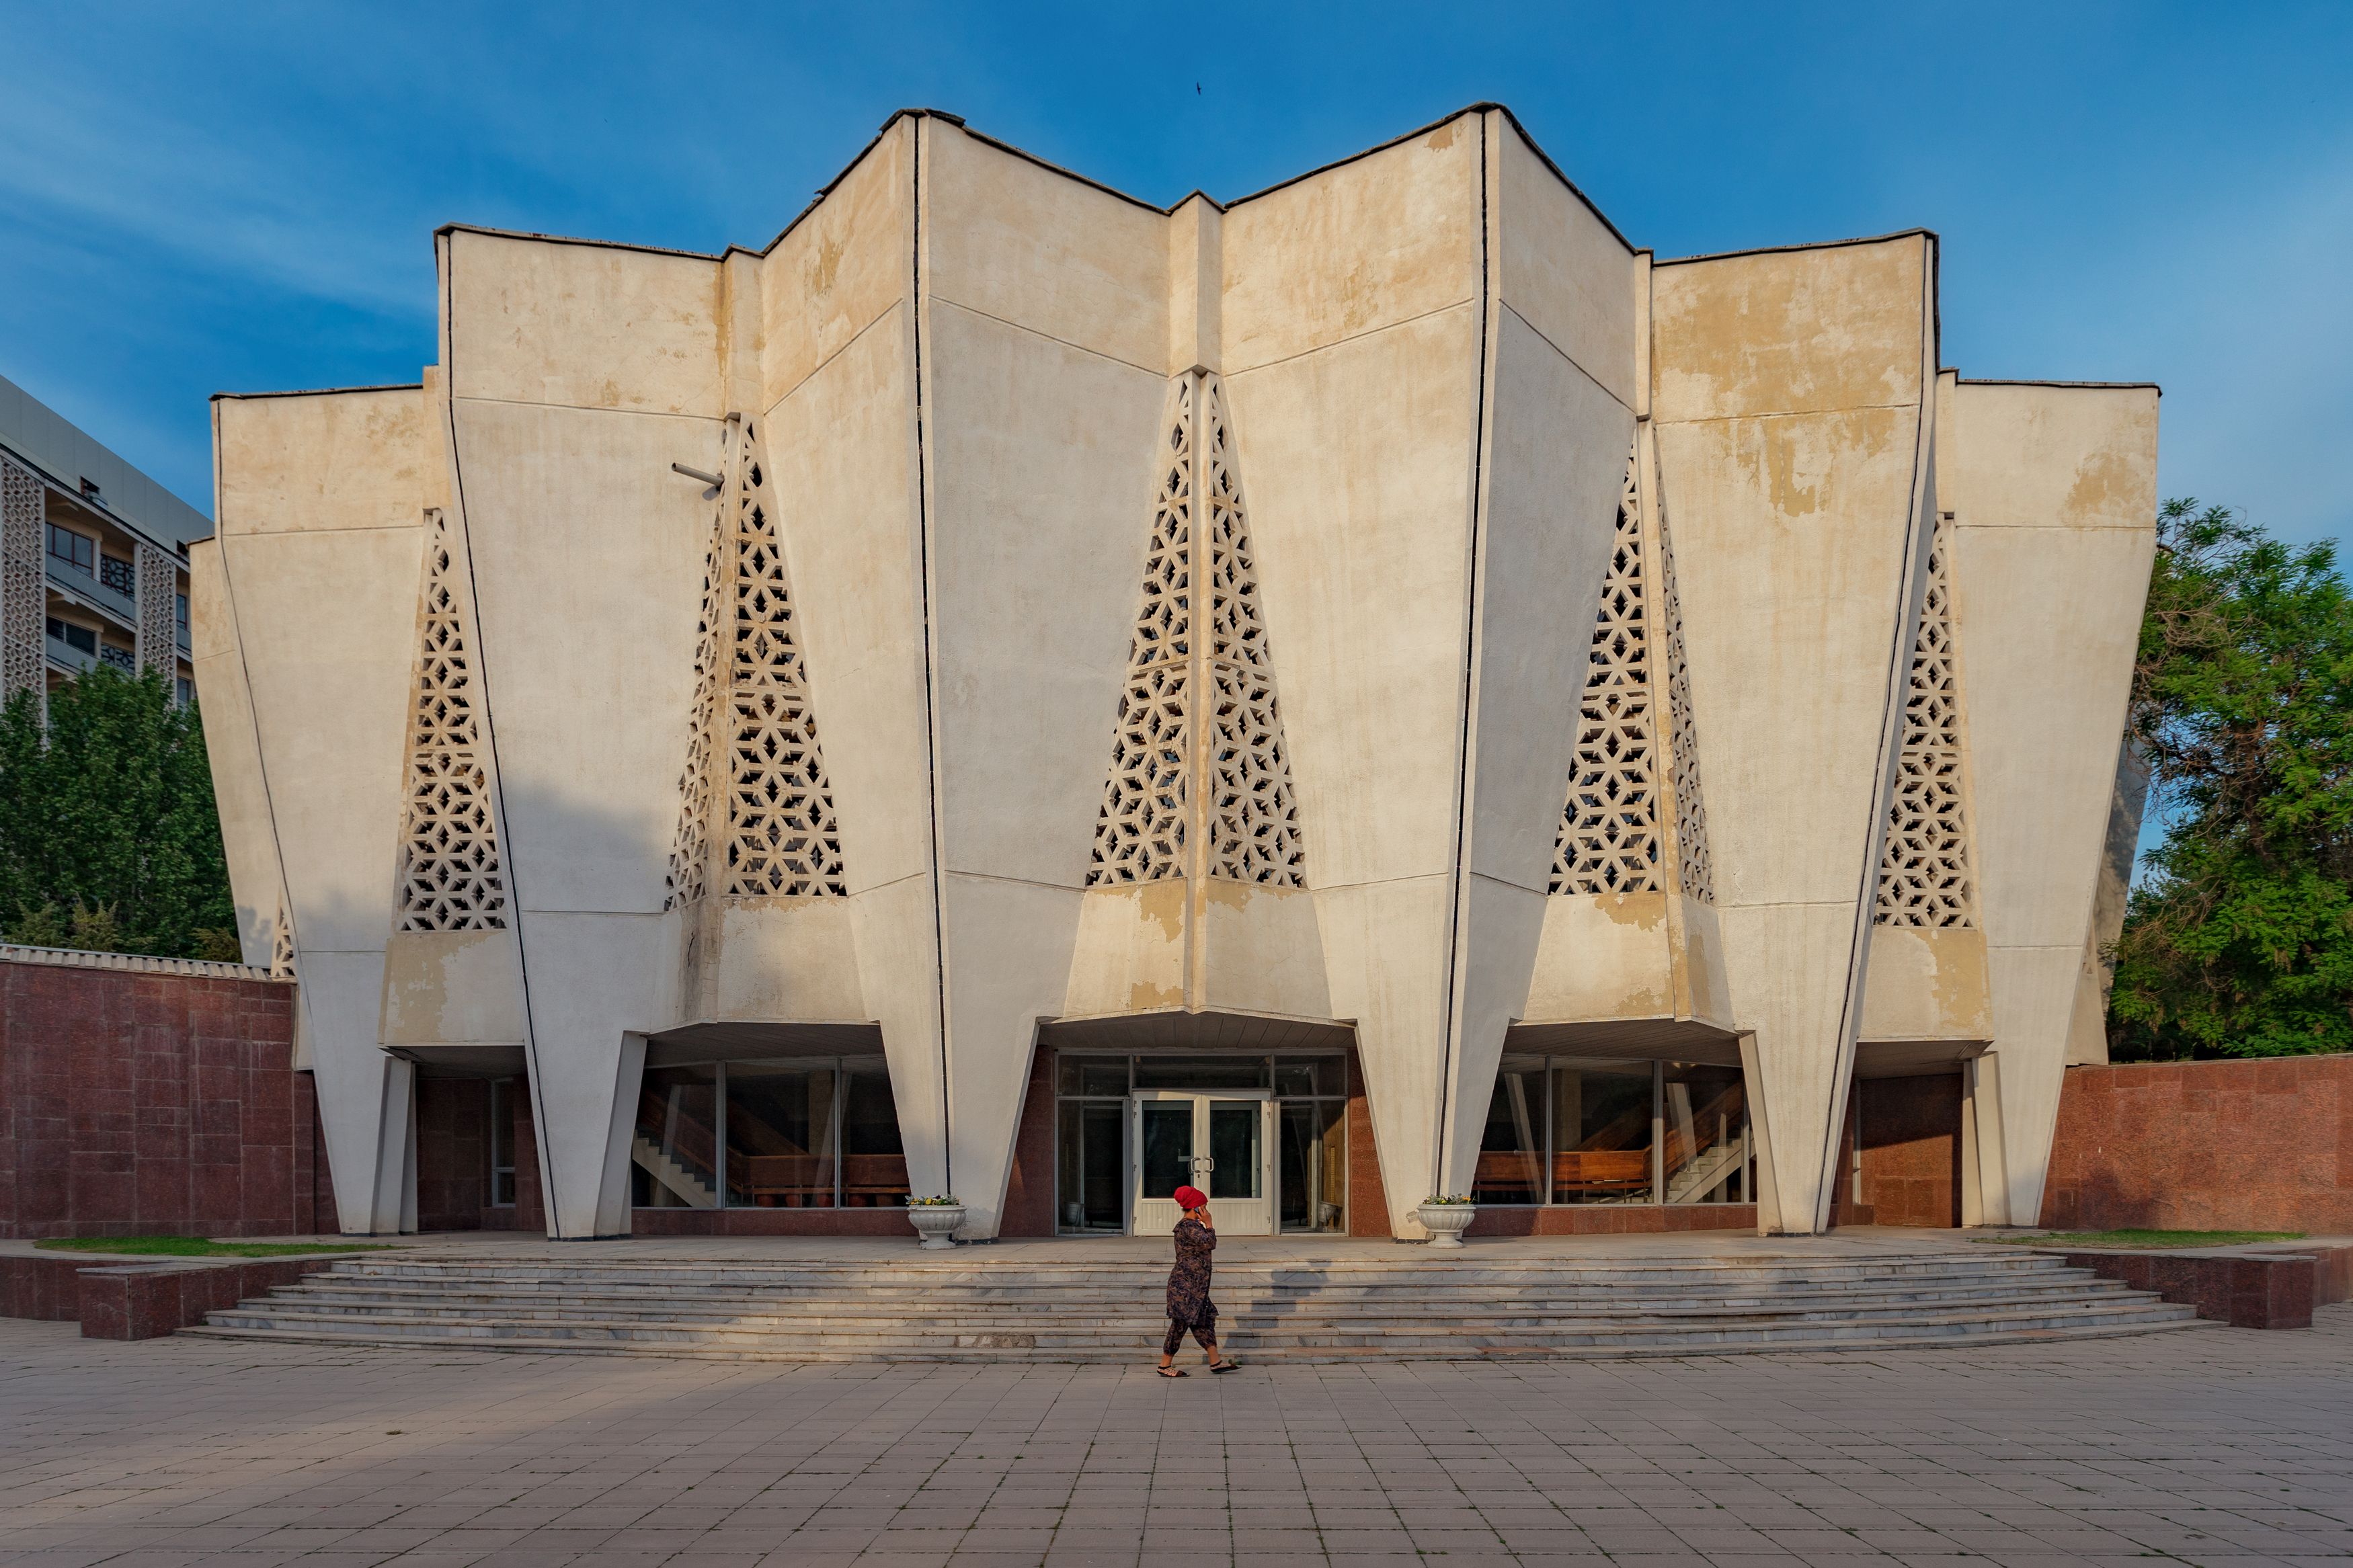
(1392, 604)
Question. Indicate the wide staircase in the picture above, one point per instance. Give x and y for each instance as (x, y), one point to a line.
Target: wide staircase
(967, 1307)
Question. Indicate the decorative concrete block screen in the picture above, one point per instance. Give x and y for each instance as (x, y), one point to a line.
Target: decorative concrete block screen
(451, 878)
(781, 838)
(1163, 757)
(1924, 876)
(1611, 838)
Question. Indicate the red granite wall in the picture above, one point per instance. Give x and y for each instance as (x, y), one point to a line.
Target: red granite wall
(1369, 1200)
(1030, 1189)
(453, 1153)
(2220, 1145)
(150, 1104)
(1910, 1130)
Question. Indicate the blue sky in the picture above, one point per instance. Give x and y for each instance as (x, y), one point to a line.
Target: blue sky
(197, 198)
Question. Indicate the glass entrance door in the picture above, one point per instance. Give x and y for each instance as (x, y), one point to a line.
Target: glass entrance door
(1221, 1144)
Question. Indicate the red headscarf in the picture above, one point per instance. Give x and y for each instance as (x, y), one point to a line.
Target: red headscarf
(1190, 1198)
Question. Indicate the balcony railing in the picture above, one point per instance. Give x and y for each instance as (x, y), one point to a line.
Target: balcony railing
(79, 584)
(67, 657)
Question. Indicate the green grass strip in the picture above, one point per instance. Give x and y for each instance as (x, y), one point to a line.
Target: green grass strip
(2149, 1239)
(196, 1247)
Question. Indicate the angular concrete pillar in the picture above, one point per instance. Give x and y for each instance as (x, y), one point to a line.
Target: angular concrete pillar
(315, 567)
(1795, 480)
(2054, 496)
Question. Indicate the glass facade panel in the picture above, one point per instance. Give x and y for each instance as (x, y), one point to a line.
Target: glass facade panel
(873, 1161)
(1235, 1159)
(677, 1142)
(502, 1143)
(1601, 1132)
(1708, 1157)
(781, 1135)
(1314, 1165)
(1091, 1164)
(1200, 1072)
(1094, 1076)
(1311, 1076)
(1168, 1146)
(1511, 1150)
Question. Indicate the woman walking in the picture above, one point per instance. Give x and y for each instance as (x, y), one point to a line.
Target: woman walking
(1189, 1307)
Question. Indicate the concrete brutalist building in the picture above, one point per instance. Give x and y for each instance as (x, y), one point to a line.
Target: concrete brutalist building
(1375, 688)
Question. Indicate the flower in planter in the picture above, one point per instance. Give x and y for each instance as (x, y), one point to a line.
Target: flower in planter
(936, 1201)
(1441, 1200)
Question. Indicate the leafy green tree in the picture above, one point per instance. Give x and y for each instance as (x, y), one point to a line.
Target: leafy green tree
(2239, 942)
(109, 839)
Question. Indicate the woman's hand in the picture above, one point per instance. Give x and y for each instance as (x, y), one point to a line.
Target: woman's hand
(1202, 1213)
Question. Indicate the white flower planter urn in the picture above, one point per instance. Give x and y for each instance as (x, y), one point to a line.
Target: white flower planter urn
(1446, 1222)
(935, 1223)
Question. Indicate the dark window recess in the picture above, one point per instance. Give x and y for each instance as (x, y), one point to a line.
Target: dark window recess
(79, 551)
(180, 612)
(187, 689)
(118, 575)
(73, 636)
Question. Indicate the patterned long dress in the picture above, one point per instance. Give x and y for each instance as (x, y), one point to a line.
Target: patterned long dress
(1189, 1307)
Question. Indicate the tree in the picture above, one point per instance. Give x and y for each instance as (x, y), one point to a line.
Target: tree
(109, 839)
(2239, 940)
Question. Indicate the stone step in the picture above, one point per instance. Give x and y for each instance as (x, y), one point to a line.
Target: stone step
(855, 1330)
(1449, 1308)
(1972, 1332)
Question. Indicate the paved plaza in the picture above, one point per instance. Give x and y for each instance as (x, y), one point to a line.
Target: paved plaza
(2213, 1446)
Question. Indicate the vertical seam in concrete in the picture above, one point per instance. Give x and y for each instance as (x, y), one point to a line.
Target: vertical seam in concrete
(268, 802)
(541, 1132)
(1911, 567)
(1460, 891)
(931, 673)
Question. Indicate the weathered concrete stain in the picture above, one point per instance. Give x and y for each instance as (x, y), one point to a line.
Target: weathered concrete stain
(1642, 911)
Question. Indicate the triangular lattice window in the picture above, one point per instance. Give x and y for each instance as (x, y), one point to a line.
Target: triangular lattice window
(780, 837)
(1924, 874)
(1167, 767)
(450, 877)
(1612, 837)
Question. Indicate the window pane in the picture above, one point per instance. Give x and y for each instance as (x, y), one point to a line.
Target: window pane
(1093, 1075)
(1314, 1156)
(1708, 1155)
(873, 1161)
(1200, 1072)
(1303, 1075)
(780, 1135)
(1237, 1168)
(1091, 1162)
(1168, 1146)
(1511, 1148)
(675, 1154)
(502, 1141)
(1601, 1132)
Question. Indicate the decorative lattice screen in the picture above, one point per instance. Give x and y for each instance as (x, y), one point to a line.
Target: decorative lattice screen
(1924, 874)
(780, 837)
(1169, 763)
(1612, 836)
(1695, 867)
(158, 594)
(1609, 840)
(24, 592)
(450, 877)
(281, 944)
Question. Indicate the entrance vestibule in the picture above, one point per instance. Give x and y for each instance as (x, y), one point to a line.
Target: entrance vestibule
(1264, 1136)
(1223, 1144)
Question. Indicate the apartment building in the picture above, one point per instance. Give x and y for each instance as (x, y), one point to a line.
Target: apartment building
(93, 557)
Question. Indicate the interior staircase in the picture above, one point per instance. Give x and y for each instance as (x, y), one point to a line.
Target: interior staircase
(966, 1307)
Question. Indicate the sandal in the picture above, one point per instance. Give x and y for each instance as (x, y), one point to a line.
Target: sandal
(1171, 1370)
(1227, 1366)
